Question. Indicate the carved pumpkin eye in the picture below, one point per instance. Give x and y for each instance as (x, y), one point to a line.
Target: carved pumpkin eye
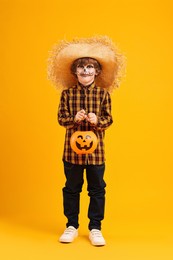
(83, 142)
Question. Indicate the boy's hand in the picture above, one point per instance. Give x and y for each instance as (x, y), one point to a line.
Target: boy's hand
(92, 118)
(80, 116)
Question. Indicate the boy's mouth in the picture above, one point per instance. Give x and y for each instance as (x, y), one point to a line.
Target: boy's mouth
(86, 74)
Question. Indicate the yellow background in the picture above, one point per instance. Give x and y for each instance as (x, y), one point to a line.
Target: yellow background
(138, 222)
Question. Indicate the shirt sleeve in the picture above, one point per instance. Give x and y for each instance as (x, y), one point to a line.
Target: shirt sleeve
(105, 119)
(64, 117)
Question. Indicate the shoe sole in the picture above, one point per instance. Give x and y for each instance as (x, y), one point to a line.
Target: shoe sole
(68, 240)
(97, 244)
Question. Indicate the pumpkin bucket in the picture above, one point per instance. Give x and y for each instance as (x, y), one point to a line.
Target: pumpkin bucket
(83, 142)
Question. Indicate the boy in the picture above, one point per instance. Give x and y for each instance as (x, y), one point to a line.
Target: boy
(89, 68)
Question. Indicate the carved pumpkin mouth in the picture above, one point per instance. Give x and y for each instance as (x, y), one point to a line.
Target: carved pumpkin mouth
(85, 147)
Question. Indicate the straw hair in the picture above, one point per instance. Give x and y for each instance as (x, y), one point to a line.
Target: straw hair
(100, 48)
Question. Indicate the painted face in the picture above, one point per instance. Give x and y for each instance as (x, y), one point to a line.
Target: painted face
(86, 74)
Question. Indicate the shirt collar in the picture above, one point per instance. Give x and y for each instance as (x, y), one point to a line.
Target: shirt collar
(91, 86)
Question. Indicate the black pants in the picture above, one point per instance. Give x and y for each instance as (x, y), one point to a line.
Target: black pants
(96, 191)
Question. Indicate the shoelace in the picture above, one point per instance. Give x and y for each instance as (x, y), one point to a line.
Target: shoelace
(96, 233)
(69, 231)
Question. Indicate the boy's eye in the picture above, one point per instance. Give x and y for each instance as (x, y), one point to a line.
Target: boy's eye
(90, 66)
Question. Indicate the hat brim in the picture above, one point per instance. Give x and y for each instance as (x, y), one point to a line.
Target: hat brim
(100, 48)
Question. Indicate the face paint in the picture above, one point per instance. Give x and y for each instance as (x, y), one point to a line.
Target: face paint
(86, 74)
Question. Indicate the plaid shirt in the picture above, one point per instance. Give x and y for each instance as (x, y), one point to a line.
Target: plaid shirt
(92, 99)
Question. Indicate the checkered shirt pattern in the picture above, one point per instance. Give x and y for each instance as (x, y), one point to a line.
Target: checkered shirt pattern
(92, 99)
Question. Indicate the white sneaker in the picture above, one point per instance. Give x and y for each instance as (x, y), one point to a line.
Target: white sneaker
(96, 238)
(69, 235)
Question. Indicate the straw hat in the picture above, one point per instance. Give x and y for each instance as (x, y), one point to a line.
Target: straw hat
(100, 48)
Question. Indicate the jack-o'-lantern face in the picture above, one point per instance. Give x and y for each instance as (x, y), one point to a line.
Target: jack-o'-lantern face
(83, 142)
